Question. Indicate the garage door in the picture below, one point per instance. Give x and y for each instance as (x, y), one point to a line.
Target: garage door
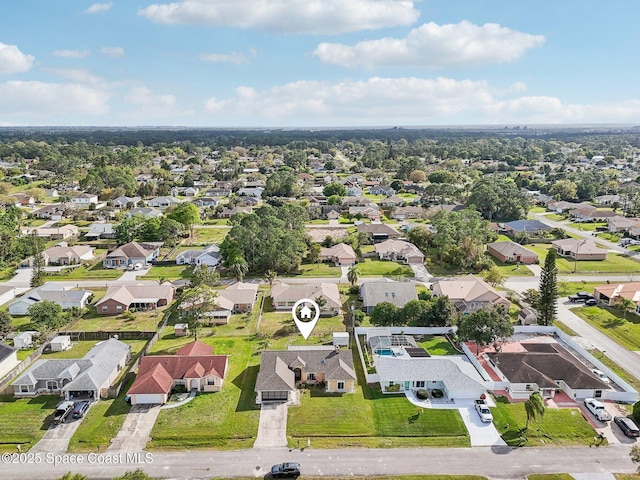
(147, 398)
(275, 396)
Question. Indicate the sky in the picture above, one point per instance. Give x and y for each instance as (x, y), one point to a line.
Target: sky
(318, 63)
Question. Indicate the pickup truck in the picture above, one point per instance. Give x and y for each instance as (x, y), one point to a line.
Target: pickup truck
(63, 410)
(597, 408)
(483, 411)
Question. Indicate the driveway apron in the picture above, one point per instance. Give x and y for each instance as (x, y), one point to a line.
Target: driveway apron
(272, 429)
(136, 429)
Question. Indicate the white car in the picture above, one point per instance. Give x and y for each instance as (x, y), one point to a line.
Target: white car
(601, 376)
(597, 408)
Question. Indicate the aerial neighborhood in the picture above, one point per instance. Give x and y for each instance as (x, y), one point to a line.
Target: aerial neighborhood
(472, 290)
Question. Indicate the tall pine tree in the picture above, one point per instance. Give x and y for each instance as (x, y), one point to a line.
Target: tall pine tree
(37, 275)
(547, 308)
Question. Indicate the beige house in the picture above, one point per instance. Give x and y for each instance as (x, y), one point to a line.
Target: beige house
(281, 371)
(613, 292)
(399, 250)
(508, 252)
(469, 293)
(579, 249)
(285, 296)
(236, 298)
(193, 367)
(53, 233)
(120, 298)
(68, 255)
(340, 254)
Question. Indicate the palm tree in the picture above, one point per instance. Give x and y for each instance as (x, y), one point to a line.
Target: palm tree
(626, 305)
(238, 265)
(534, 407)
(353, 274)
(270, 276)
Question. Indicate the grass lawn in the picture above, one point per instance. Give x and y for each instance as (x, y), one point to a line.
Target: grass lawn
(571, 288)
(146, 321)
(537, 210)
(556, 217)
(588, 226)
(437, 345)
(511, 269)
(610, 321)
(550, 476)
(384, 268)
(417, 477)
(170, 272)
(101, 423)
(207, 236)
(615, 262)
(24, 421)
(217, 221)
(223, 420)
(558, 426)
(319, 270)
(80, 348)
(612, 237)
(96, 272)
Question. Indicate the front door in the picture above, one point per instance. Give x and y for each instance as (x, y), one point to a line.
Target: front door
(407, 385)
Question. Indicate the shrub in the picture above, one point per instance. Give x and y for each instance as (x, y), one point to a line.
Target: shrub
(437, 393)
(392, 388)
(636, 412)
(422, 394)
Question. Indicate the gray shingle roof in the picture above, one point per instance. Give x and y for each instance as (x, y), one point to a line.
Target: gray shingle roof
(397, 293)
(5, 351)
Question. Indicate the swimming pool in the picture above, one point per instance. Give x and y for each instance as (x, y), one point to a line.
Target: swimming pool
(385, 351)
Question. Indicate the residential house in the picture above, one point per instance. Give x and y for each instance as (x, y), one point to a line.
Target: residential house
(606, 200)
(236, 298)
(579, 249)
(51, 212)
(340, 254)
(529, 227)
(590, 213)
(251, 192)
(230, 212)
(217, 192)
(147, 212)
(396, 293)
(162, 202)
(131, 254)
(454, 375)
(120, 298)
(209, 256)
(510, 252)
(67, 255)
(194, 367)
(469, 294)
(91, 376)
(248, 202)
(372, 214)
(285, 296)
(8, 359)
(618, 224)
(378, 232)
(23, 199)
(332, 214)
(382, 190)
(84, 199)
(125, 202)
(100, 230)
(393, 201)
(53, 292)
(53, 233)
(547, 368)
(611, 293)
(51, 192)
(353, 190)
(399, 250)
(281, 371)
(564, 206)
(205, 202)
(402, 213)
(356, 201)
(7, 293)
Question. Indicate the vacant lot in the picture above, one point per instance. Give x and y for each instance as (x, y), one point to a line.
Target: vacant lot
(612, 322)
(381, 268)
(319, 270)
(169, 272)
(207, 236)
(23, 421)
(319, 234)
(95, 272)
(615, 262)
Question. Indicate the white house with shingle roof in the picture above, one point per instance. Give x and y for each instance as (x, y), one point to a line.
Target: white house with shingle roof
(397, 293)
(399, 250)
(54, 292)
(285, 296)
(130, 254)
(91, 375)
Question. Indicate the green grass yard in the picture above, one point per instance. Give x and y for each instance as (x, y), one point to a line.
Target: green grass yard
(437, 345)
(95, 272)
(382, 268)
(558, 426)
(615, 263)
(610, 321)
(24, 421)
(169, 272)
(207, 236)
(319, 270)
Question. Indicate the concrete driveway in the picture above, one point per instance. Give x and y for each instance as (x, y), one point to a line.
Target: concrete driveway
(56, 439)
(272, 429)
(481, 434)
(136, 429)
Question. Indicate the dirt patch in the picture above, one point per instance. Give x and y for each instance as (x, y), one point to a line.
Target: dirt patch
(319, 234)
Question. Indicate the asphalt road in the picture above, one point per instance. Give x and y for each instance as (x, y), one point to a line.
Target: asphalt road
(493, 462)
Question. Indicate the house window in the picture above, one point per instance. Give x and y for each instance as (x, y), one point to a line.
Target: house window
(24, 389)
(419, 384)
(211, 381)
(105, 308)
(340, 385)
(118, 308)
(311, 376)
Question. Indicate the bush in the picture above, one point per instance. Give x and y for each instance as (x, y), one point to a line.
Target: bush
(392, 388)
(437, 393)
(179, 389)
(636, 412)
(422, 394)
(354, 289)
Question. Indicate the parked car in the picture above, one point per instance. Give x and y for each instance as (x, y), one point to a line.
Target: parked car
(483, 410)
(591, 302)
(81, 408)
(63, 410)
(286, 470)
(628, 426)
(601, 376)
(597, 408)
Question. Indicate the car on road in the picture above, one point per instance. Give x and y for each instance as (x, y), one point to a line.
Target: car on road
(80, 408)
(63, 410)
(597, 408)
(601, 376)
(286, 470)
(628, 426)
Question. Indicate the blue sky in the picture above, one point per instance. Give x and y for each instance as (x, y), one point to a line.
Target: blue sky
(318, 63)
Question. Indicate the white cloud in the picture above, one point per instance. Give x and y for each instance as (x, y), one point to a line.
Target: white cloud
(78, 75)
(405, 101)
(287, 16)
(72, 53)
(235, 58)
(112, 52)
(43, 103)
(12, 60)
(435, 46)
(149, 107)
(99, 8)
